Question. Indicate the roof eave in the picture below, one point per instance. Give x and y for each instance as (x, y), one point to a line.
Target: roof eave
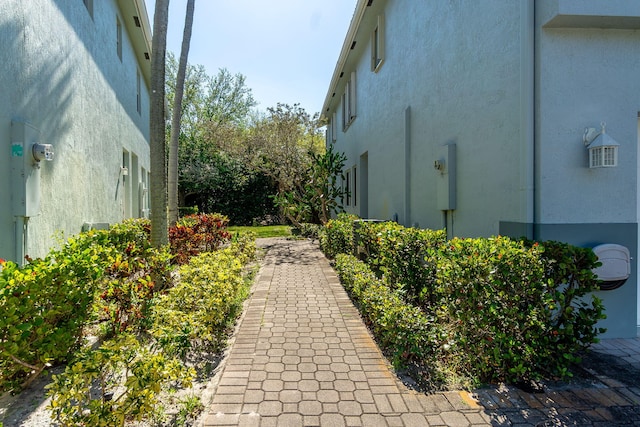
(140, 35)
(358, 14)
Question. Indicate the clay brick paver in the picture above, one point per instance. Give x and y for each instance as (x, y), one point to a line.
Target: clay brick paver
(302, 356)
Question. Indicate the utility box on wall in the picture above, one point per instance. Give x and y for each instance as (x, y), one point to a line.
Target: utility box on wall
(446, 184)
(25, 170)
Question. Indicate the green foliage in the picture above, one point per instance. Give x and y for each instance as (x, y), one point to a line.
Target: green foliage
(337, 235)
(405, 330)
(197, 233)
(131, 267)
(399, 255)
(128, 288)
(497, 291)
(44, 307)
(229, 185)
(575, 310)
(497, 309)
(316, 197)
(117, 382)
(195, 314)
(188, 210)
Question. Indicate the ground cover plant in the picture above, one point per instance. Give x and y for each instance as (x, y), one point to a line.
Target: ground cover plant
(473, 310)
(105, 285)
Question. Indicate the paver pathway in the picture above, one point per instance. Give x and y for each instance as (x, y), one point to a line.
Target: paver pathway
(303, 357)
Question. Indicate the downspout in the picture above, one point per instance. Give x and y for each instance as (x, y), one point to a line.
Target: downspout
(20, 239)
(527, 117)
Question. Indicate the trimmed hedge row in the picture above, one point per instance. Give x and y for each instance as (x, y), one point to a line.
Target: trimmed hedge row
(398, 326)
(497, 309)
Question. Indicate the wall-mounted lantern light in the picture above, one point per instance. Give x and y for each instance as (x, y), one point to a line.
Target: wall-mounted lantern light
(603, 150)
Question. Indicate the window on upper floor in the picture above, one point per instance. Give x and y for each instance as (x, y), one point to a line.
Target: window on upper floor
(138, 93)
(377, 45)
(89, 5)
(332, 129)
(349, 102)
(119, 38)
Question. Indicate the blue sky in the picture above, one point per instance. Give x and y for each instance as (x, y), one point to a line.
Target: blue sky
(287, 49)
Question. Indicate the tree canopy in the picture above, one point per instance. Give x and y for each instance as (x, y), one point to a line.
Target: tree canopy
(241, 162)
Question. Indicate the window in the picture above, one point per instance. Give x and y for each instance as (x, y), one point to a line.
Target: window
(334, 130)
(349, 102)
(89, 5)
(138, 96)
(119, 38)
(377, 45)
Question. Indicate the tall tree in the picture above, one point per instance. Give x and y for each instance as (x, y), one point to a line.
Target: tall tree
(177, 114)
(215, 115)
(157, 128)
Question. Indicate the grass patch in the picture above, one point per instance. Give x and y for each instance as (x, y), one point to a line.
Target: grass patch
(263, 231)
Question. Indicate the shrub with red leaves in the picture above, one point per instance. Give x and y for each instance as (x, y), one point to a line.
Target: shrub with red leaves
(197, 233)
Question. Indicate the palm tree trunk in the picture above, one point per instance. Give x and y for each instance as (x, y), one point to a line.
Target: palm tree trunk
(177, 115)
(157, 128)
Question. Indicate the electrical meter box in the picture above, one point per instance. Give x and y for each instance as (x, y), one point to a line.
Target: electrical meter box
(446, 166)
(25, 170)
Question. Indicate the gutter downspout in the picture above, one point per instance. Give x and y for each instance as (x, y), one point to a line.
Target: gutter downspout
(20, 239)
(527, 117)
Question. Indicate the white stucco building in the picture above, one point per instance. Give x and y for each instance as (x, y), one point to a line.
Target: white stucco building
(74, 74)
(470, 115)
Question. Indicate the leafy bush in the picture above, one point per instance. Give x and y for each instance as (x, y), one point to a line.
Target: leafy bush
(118, 382)
(337, 236)
(574, 315)
(497, 292)
(128, 288)
(308, 230)
(187, 210)
(44, 307)
(195, 313)
(197, 233)
(400, 327)
(504, 310)
(399, 255)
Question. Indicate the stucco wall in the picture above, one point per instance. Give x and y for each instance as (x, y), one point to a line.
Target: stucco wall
(588, 57)
(457, 67)
(60, 72)
(586, 76)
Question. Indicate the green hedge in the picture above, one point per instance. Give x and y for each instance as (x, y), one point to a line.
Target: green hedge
(107, 277)
(337, 235)
(497, 309)
(399, 255)
(399, 327)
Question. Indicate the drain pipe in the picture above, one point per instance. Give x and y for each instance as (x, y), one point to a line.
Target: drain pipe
(21, 239)
(527, 116)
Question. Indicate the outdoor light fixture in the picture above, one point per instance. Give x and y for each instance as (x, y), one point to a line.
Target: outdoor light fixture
(603, 150)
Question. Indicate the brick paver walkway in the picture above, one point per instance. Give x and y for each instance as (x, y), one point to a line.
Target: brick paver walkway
(303, 357)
